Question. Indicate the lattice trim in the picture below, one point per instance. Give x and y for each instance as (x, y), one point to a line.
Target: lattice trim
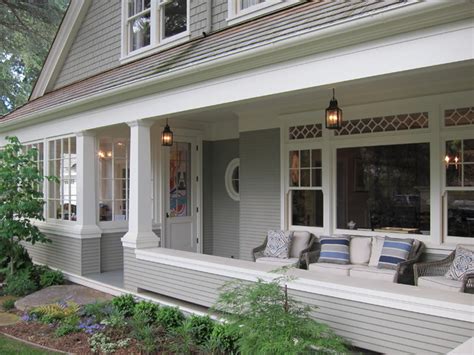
(306, 131)
(459, 117)
(384, 124)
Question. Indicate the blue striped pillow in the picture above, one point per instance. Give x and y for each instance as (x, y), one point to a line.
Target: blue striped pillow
(335, 250)
(394, 251)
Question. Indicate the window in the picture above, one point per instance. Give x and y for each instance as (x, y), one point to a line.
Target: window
(39, 159)
(149, 23)
(241, 10)
(114, 179)
(305, 184)
(232, 179)
(384, 188)
(459, 162)
(62, 196)
(245, 4)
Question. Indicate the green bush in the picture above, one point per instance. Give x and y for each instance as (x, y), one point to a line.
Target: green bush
(144, 332)
(169, 317)
(8, 304)
(200, 328)
(98, 310)
(224, 339)
(115, 320)
(51, 278)
(68, 325)
(21, 259)
(20, 283)
(124, 304)
(147, 310)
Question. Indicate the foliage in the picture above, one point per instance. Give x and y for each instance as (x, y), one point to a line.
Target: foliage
(124, 304)
(99, 342)
(224, 338)
(147, 310)
(20, 283)
(51, 313)
(8, 304)
(68, 325)
(115, 320)
(21, 200)
(27, 29)
(21, 260)
(169, 317)
(180, 339)
(90, 326)
(271, 322)
(51, 278)
(200, 328)
(97, 310)
(144, 331)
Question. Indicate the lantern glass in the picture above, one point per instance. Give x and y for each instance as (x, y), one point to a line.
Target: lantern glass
(167, 137)
(333, 118)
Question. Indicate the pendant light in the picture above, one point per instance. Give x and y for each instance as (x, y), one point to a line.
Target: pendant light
(167, 136)
(333, 114)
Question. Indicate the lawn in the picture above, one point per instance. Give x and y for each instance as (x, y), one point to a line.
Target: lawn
(9, 346)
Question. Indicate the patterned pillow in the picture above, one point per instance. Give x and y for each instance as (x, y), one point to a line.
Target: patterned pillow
(394, 251)
(278, 244)
(335, 249)
(463, 262)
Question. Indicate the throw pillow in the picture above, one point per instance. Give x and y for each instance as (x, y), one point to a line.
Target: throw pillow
(299, 242)
(278, 244)
(394, 252)
(335, 249)
(359, 250)
(377, 246)
(463, 262)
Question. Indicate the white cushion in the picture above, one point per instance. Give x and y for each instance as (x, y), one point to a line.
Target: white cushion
(359, 250)
(372, 273)
(439, 283)
(278, 262)
(329, 268)
(377, 246)
(299, 242)
(278, 244)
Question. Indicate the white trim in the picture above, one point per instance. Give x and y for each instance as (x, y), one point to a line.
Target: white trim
(70, 230)
(403, 297)
(229, 171)
(60, 48)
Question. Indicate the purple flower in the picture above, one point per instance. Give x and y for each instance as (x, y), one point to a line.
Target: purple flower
(29, 317)
(90, 328)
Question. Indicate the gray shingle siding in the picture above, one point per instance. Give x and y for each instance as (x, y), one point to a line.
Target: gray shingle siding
(219, 14)
(259, 187)
(198, 17)
(111, 256)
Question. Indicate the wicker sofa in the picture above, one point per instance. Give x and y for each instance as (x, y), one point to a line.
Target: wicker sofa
(431, 275)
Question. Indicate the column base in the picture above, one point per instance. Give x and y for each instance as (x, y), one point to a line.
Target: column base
(138, 240)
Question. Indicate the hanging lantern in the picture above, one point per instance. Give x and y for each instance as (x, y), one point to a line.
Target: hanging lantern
(167, 136)
(333, 114)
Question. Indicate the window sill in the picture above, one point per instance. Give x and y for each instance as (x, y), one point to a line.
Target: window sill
(152, 49)
(259, 10)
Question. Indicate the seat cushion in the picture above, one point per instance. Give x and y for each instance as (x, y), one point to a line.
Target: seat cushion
(299, 242)
(359, 250)
(278, 262)
(372, 273)
(376, 251)
(335, 249)
(330, 269)
(394, 251)
(463, 263)
(439, 283)
(278, 244)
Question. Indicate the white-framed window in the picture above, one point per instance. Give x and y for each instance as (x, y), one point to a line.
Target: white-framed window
(148, 24)
(232, 179)
(242, 10)
(114, 179)
(306, 203)
(459, 188)
(62, 163)
(39, 159)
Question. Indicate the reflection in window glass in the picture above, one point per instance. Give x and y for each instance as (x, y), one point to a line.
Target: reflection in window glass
(384, 188)
(461, 213)
(174, 18)
(459, 163)
(140, 32)
(307, 208)
(248, 3)
(180, 180)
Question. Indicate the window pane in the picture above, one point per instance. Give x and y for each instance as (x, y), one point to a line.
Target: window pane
(468, 151)
(307, 208)
(120, 171)
(139, 29)
(174, 18)
(453, 175)
(120, 149)
(180, 180)
(305, 158)
(468, 175)
(136, 6)
(316, 178)
(316, 158)
(461, 213)
(384, 188)
(247, 3)
(105, 210)
(294, 177)
(305, 177)
(105, 189)
(120, 211)
(72, 146)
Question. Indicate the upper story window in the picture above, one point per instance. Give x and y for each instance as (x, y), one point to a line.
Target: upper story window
(242, 10)
(148, 24)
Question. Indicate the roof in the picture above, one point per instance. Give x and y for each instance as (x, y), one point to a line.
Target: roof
(295, 21)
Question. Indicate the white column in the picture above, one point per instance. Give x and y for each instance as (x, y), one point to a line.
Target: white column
(140, 233)
(86, 184)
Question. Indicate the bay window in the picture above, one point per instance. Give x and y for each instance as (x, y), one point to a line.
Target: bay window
(39, 159)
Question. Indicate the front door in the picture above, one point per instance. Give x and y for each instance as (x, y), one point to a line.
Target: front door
(180, 202)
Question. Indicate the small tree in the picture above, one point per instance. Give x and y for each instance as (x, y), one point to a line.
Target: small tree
(21, 200)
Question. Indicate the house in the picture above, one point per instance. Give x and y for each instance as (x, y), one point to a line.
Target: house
(243, 85)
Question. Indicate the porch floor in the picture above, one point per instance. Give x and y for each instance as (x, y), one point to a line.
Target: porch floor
(112, 278)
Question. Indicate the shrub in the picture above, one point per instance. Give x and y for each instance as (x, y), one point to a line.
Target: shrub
(224, 339)
(124, 304)
(68, 325)
(147, 310)
(180, 340)
(144, 332)
(200, 328)
(169, 317)
(21, 259)
(51, 278)
(8, 304)
(115, 320)
(98, 310)
(20, 284)
(271, 322)
(55, 312)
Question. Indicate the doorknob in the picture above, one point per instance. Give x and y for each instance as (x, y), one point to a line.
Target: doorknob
(167, 215)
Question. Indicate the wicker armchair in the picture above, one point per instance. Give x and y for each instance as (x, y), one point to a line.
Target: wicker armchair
(313, 245)
(439, 268)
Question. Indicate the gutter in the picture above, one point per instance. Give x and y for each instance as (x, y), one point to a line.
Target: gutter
(366, 21)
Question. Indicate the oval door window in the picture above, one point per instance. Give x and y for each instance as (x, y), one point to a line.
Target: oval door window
(232, 179)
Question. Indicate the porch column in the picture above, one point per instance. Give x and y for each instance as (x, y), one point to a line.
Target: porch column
(140, 233)
(86, 184)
